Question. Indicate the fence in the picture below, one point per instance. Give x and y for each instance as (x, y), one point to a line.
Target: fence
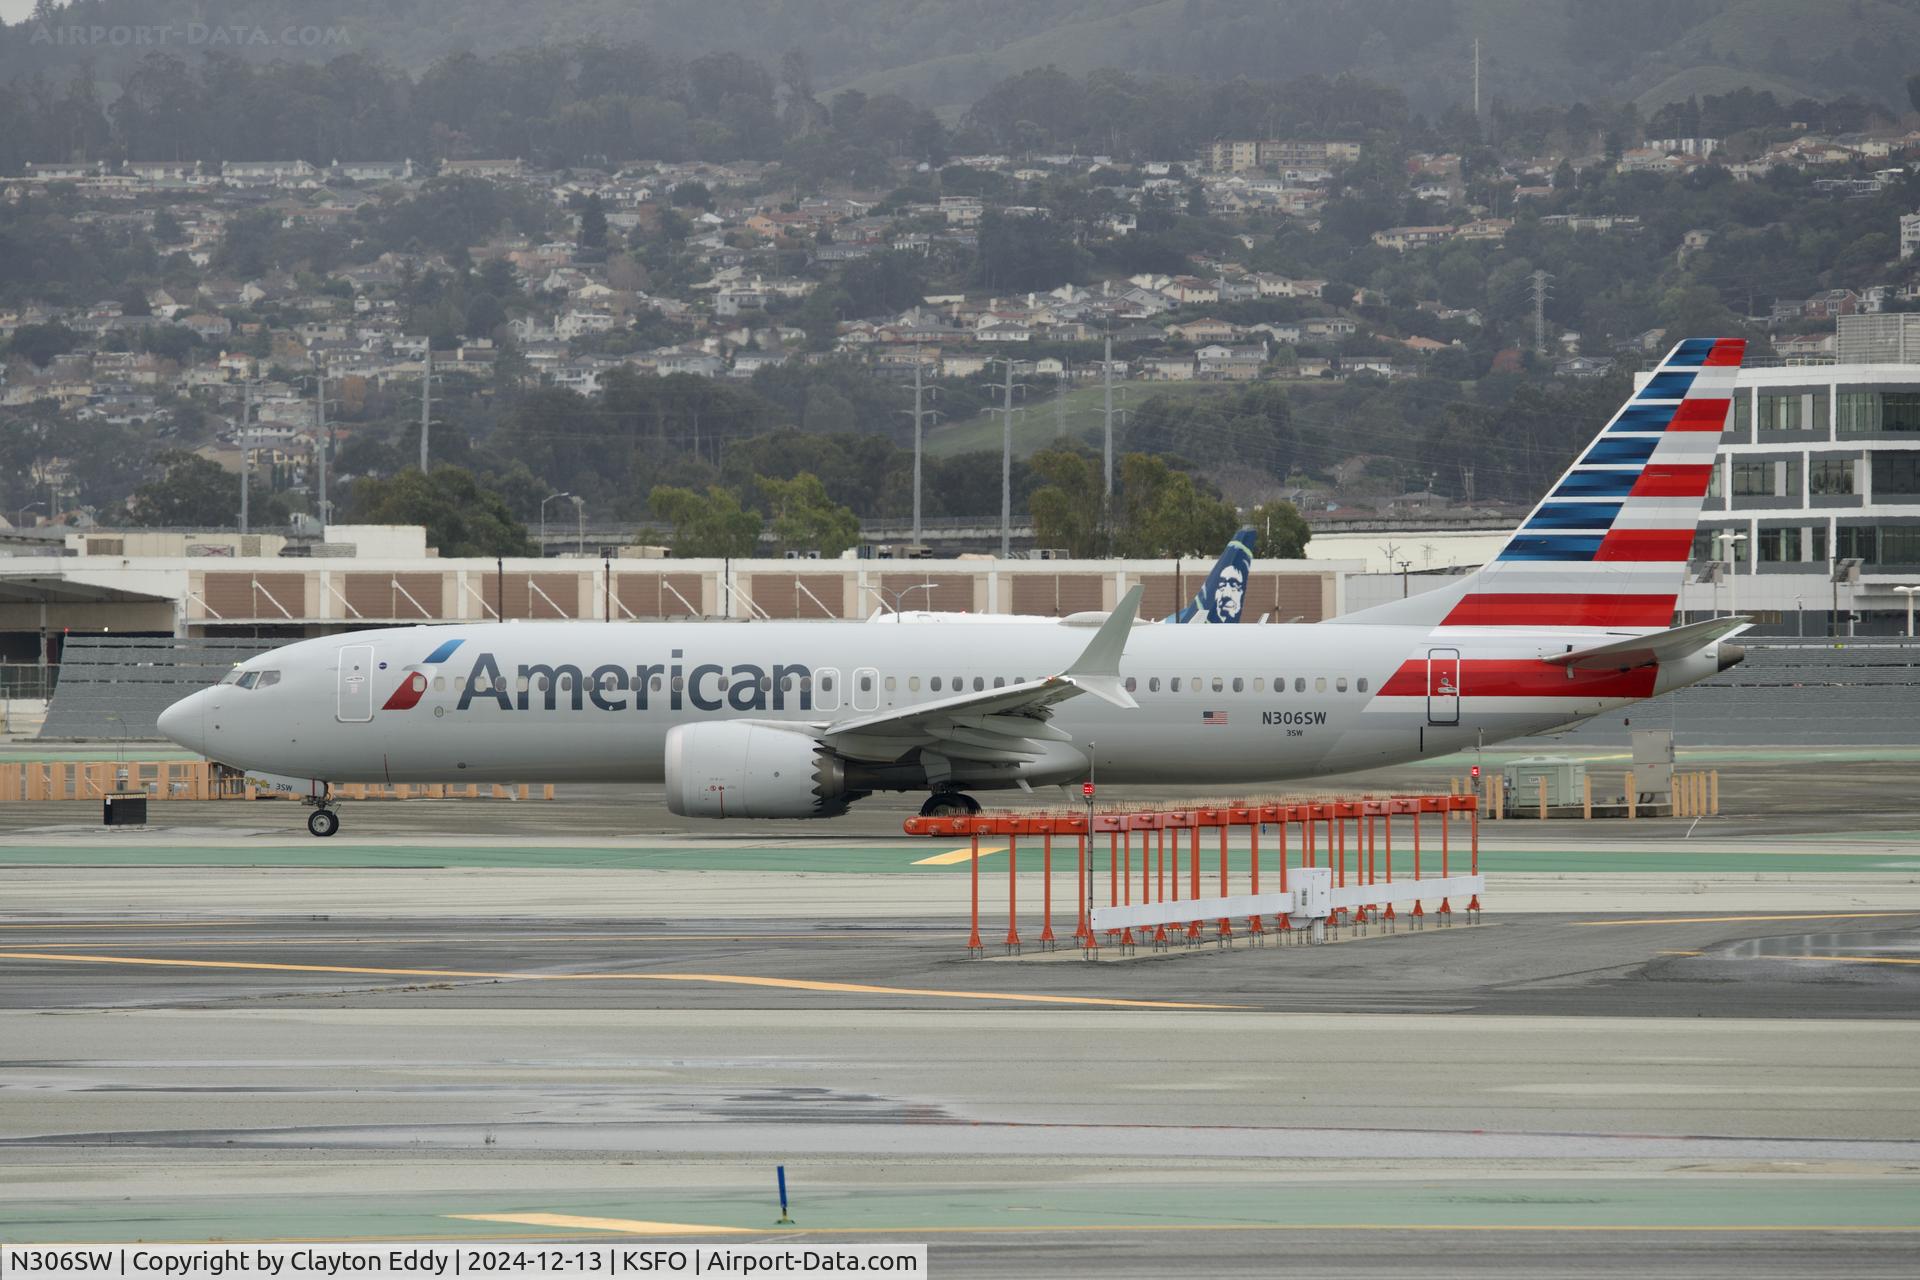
(1312, 857)
(1693, 793)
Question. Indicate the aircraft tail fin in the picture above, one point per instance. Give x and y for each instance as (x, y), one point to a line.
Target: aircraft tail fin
(1608, 547)
(1222, 596)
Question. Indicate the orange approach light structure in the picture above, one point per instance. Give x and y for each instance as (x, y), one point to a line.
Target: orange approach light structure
(1332, 867)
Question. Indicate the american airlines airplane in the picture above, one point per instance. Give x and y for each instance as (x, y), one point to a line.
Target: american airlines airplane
(1572, 619)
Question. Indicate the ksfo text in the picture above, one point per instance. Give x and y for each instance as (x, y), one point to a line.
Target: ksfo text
(188, 1262)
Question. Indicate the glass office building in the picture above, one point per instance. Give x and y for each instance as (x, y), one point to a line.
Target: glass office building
(1813, 517)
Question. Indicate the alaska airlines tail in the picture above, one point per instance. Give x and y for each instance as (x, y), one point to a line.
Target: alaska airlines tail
(1224, 594)
(1607, 548)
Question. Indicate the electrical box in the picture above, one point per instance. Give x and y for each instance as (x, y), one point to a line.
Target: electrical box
(1566, 780)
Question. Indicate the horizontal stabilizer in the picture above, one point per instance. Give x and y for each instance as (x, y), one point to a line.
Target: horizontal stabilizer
(1648, 650)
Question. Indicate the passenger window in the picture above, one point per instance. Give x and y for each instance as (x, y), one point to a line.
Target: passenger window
(979, 683)
(679, 683)
(608, 683)
(656, 683)
(1361, 684)
(1173, 684)
(1239, 685)
(806, 684)
(521, 683)
(1319, 684)
(1299, 684)
(826, 683)
(1259, 684)
(1340, 684)
(1153, 684)
(999, 682)
(934, 684)
(720, 683)
(1218, 684)
(766, 684)
(1132, 684)
(499, 684)
(439, 684)
(418, 681)
(1198, 686)
(892, 684)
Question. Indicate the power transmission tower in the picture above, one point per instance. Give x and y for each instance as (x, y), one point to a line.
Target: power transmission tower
(1006, 457)
(1540, 291)
(1106, 429)
(920, 415)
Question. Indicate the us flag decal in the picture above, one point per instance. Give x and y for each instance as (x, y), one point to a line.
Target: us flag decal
(1213, 717)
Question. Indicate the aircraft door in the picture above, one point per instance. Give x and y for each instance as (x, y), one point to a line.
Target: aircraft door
(354, 693)
(866, 689)
(1443, 686)
(826, 689)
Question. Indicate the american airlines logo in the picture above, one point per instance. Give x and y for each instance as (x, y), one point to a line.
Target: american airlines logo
(705, 686)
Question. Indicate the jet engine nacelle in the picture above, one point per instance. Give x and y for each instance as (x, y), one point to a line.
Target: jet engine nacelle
(729, 769)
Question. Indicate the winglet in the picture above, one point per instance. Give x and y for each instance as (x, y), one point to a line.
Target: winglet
(1097, 669)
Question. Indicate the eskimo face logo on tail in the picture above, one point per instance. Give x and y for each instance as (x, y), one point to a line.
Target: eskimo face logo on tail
(414, 683)
(1230, 594)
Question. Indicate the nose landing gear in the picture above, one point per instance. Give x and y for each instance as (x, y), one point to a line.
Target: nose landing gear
(325, 819)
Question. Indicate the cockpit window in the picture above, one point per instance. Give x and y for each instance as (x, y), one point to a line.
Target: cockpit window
(232, 677)
(252, 679)
(267, 678)
(248, 679)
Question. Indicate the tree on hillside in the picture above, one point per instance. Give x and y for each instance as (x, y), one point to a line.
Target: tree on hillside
(462, 516)
(709, 524)
(1164, 512)
(806, 519)
(198, 493)
(1282, 531)
(1069, 510)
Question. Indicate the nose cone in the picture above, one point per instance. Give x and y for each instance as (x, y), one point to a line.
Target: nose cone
(182, 722)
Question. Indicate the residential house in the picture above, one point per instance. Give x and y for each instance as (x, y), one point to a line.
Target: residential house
(1202, 331)
(1401, 239)
(1167, 368)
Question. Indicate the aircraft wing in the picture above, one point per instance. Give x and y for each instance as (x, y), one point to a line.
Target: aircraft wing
(1000, 726)
(1645, 651)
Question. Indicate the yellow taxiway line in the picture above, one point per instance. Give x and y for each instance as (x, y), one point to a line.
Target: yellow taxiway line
(723, 979)
(953, 856)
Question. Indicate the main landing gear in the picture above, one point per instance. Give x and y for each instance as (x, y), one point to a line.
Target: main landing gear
(325, 819)
(949, 804)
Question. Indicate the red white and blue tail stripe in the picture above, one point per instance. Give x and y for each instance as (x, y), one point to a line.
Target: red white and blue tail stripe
(1608, 546)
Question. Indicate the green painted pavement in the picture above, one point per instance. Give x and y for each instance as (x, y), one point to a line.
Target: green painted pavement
(1667, 1204)
(891, 859)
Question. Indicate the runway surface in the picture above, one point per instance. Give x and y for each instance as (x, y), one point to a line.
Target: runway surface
(1656, 1055)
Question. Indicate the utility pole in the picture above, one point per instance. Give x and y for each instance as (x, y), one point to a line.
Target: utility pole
(426, 406)
(1540, 291)
(1060, 405)
(246, 454)
(920, 415)
(1476, 77)
(323, 448)
(1006, 460)
(1466, 483)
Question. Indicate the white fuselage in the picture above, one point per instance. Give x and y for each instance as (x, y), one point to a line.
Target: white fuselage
(583, 701)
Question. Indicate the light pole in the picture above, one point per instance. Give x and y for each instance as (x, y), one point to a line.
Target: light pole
(883, 593)
(1799, 618)
(1908, 593)
(543, 519)
(1730, 550)
(579, 524)
(21, 514)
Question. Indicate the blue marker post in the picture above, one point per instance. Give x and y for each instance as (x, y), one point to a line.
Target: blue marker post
(780, 1171)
